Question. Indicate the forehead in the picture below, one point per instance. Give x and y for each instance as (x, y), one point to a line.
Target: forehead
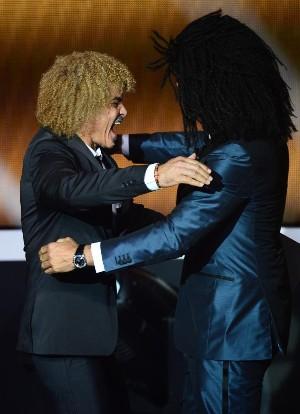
(116, 92)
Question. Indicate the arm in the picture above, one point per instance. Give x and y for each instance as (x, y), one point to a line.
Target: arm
(58, 181)
(196, 217)
(161, 146)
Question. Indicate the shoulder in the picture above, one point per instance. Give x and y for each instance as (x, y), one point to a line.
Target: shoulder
(45, 141)
(231, 150)
(46, 147)
(229, 156)
(231, 167)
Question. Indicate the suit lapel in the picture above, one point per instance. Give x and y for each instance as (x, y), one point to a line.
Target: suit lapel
(108, 159)
(80, 147)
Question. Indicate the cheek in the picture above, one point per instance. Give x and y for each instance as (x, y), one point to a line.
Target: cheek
(101, 125)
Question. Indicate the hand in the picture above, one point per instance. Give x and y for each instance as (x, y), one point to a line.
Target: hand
(57, 257)
(181, 170)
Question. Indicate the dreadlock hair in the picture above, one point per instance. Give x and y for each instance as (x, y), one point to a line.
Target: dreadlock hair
(227, 78)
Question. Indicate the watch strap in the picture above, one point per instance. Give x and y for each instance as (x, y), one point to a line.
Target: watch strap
(79, 250)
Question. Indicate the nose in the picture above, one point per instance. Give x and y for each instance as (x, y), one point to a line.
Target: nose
(123, 110)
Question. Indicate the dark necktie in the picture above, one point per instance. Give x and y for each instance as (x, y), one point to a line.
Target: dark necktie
(102, 162)
(105, 164)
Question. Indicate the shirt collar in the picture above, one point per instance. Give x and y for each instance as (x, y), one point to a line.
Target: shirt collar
(96, 153)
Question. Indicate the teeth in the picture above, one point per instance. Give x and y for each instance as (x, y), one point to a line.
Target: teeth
(119, 120)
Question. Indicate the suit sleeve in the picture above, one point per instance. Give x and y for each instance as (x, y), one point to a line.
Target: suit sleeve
(58, 180)
(136, 217)
(196, 217)
(161, 146)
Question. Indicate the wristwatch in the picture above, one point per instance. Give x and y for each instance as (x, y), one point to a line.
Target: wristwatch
(79, 259)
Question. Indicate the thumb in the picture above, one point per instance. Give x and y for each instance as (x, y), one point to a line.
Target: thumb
(192, 156)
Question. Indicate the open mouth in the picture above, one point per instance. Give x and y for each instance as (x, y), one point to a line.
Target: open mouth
(117, 121)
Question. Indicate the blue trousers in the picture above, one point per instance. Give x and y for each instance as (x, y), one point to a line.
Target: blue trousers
(223, 387)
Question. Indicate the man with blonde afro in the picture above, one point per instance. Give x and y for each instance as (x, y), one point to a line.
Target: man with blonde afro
(71, 186)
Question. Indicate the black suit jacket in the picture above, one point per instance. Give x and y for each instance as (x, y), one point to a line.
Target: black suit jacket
(65, 192)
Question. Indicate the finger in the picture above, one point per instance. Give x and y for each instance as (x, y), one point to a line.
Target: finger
(45, 265)
(194, 182)
(196, 163)
(196, 173)
(62, 240)
(196, 167)
(43, 249)
(203, 177)
(44, 257)
(49, 271)
(192, 156)
(204, 167)
(191, 181)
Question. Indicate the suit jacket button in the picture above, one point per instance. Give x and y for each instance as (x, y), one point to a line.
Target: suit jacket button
(118, 260)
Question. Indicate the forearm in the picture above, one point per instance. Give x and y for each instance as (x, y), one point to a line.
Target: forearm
(85, 190)
(158, 147)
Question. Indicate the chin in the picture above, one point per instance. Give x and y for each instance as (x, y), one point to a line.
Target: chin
(111, 144)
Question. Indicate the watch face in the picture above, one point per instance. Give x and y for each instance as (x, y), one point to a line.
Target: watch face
(79, 261)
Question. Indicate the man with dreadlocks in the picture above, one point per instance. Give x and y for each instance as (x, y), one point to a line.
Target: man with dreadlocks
(233, 309)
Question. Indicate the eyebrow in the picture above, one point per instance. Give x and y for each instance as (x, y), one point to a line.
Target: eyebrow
(117, 99)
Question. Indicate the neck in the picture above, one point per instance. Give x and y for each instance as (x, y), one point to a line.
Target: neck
(87, 139)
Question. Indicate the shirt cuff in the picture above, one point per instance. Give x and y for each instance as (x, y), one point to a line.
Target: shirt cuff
(125, 145)
(97, 257)
(149, 178)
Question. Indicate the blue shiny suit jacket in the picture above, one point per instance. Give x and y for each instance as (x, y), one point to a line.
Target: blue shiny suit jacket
(234, 302)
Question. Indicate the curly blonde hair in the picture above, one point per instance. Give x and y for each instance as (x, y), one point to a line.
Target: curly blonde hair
(77, 86)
